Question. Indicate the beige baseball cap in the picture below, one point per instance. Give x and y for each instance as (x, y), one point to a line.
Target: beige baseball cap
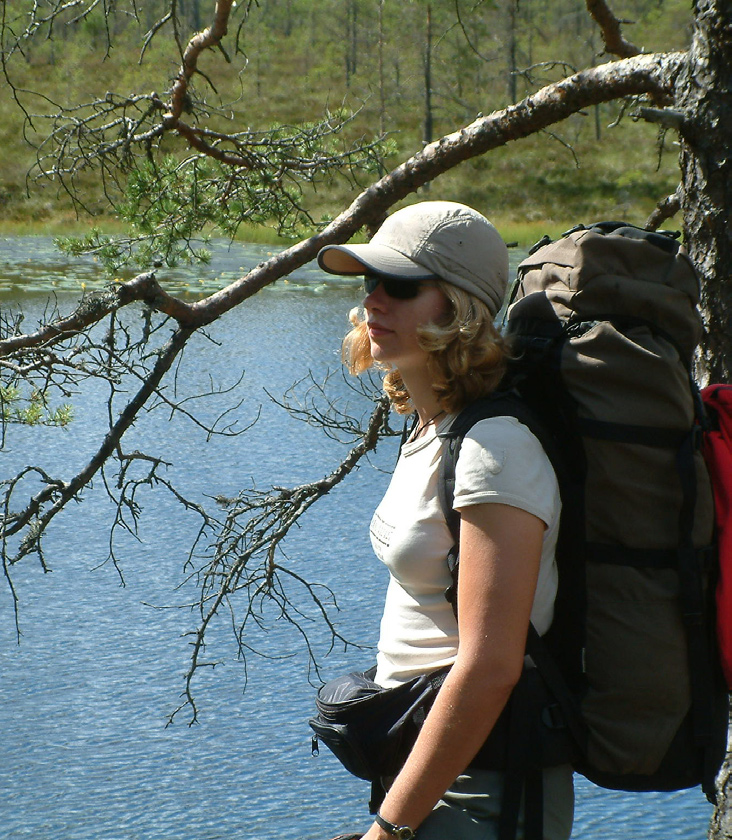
(428, 241)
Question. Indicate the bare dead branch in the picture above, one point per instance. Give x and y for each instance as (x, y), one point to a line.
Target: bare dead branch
(309, 401)
(210, 37)
(664, 210)
(47, 503)
(153, 31)
(666, 117)
(612, 34)
(243, 557)
(96, 306)
(466, 35)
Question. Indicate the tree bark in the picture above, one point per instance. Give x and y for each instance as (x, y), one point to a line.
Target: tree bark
(704, 96)
(721, 824)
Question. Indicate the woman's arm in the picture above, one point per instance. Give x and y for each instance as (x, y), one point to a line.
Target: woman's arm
(500, 550)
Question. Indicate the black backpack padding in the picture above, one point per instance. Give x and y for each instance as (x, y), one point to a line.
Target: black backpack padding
(604, 324)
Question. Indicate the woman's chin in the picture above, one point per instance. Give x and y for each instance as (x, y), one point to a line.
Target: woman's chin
(378, 353)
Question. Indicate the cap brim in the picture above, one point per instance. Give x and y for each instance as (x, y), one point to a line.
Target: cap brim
(371, 258)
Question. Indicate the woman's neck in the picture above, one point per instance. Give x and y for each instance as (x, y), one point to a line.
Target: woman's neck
(419, 386)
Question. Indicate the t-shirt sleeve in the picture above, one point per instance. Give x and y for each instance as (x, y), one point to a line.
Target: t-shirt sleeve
(501, 461)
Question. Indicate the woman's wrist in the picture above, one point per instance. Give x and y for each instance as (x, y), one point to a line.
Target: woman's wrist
(375, 832)
(401, 832)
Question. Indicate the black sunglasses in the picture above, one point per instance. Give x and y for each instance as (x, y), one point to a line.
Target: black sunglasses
(399, 289)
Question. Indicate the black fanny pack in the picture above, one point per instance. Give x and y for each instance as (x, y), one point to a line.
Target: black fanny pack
(371, 729)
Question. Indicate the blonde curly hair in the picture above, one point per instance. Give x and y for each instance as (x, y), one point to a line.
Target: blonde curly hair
(466, 354)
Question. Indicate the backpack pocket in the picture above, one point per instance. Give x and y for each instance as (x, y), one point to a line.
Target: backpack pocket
(347, 749)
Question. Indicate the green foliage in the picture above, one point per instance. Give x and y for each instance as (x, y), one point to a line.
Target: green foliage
(172, 206)
(31, 409)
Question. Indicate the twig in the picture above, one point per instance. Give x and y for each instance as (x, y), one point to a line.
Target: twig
(665, 209)
(666, 117)
(269, 520)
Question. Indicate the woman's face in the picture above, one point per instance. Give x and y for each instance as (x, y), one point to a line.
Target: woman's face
(393, 322)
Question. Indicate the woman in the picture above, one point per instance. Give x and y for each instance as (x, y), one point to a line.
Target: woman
(435, 275)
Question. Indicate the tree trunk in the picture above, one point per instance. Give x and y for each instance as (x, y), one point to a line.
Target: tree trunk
(512, 87)
(382, 89)
(721, 825)
(351, 41)
(428, 130)
(704, 97)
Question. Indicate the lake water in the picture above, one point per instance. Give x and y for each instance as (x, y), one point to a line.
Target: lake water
(85, 753)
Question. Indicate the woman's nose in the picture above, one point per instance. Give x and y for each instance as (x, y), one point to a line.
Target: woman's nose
(376, 299)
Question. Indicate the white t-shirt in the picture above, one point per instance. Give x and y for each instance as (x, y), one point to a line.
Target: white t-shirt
(500, 461)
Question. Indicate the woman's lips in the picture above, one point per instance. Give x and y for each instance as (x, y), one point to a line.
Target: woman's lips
(377, 330)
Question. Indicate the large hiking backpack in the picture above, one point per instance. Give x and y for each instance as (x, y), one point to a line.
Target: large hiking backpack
(604, 324)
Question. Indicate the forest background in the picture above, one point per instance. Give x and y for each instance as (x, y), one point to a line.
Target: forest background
(409, 70)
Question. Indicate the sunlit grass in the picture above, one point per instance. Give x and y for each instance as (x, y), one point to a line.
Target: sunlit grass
(61, 225)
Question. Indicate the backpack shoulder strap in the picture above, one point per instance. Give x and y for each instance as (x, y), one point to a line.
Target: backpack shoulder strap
(523, 771)
(500, 404)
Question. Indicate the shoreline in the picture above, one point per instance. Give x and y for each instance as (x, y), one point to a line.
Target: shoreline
(516, 234)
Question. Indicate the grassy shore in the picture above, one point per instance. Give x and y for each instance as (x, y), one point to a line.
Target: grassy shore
(522, 234)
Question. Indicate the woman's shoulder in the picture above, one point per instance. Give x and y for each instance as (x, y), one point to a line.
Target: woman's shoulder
(502, 460)
(504, 448)
(503, 431)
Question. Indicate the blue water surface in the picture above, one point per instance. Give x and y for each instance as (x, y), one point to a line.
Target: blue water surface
(85, 753)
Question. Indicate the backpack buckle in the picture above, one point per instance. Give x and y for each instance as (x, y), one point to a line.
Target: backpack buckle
(552, 717)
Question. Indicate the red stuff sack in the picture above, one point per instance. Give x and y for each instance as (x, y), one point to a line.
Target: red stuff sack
(718, 455)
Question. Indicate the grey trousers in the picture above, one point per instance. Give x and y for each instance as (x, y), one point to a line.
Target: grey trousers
(470, 809)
